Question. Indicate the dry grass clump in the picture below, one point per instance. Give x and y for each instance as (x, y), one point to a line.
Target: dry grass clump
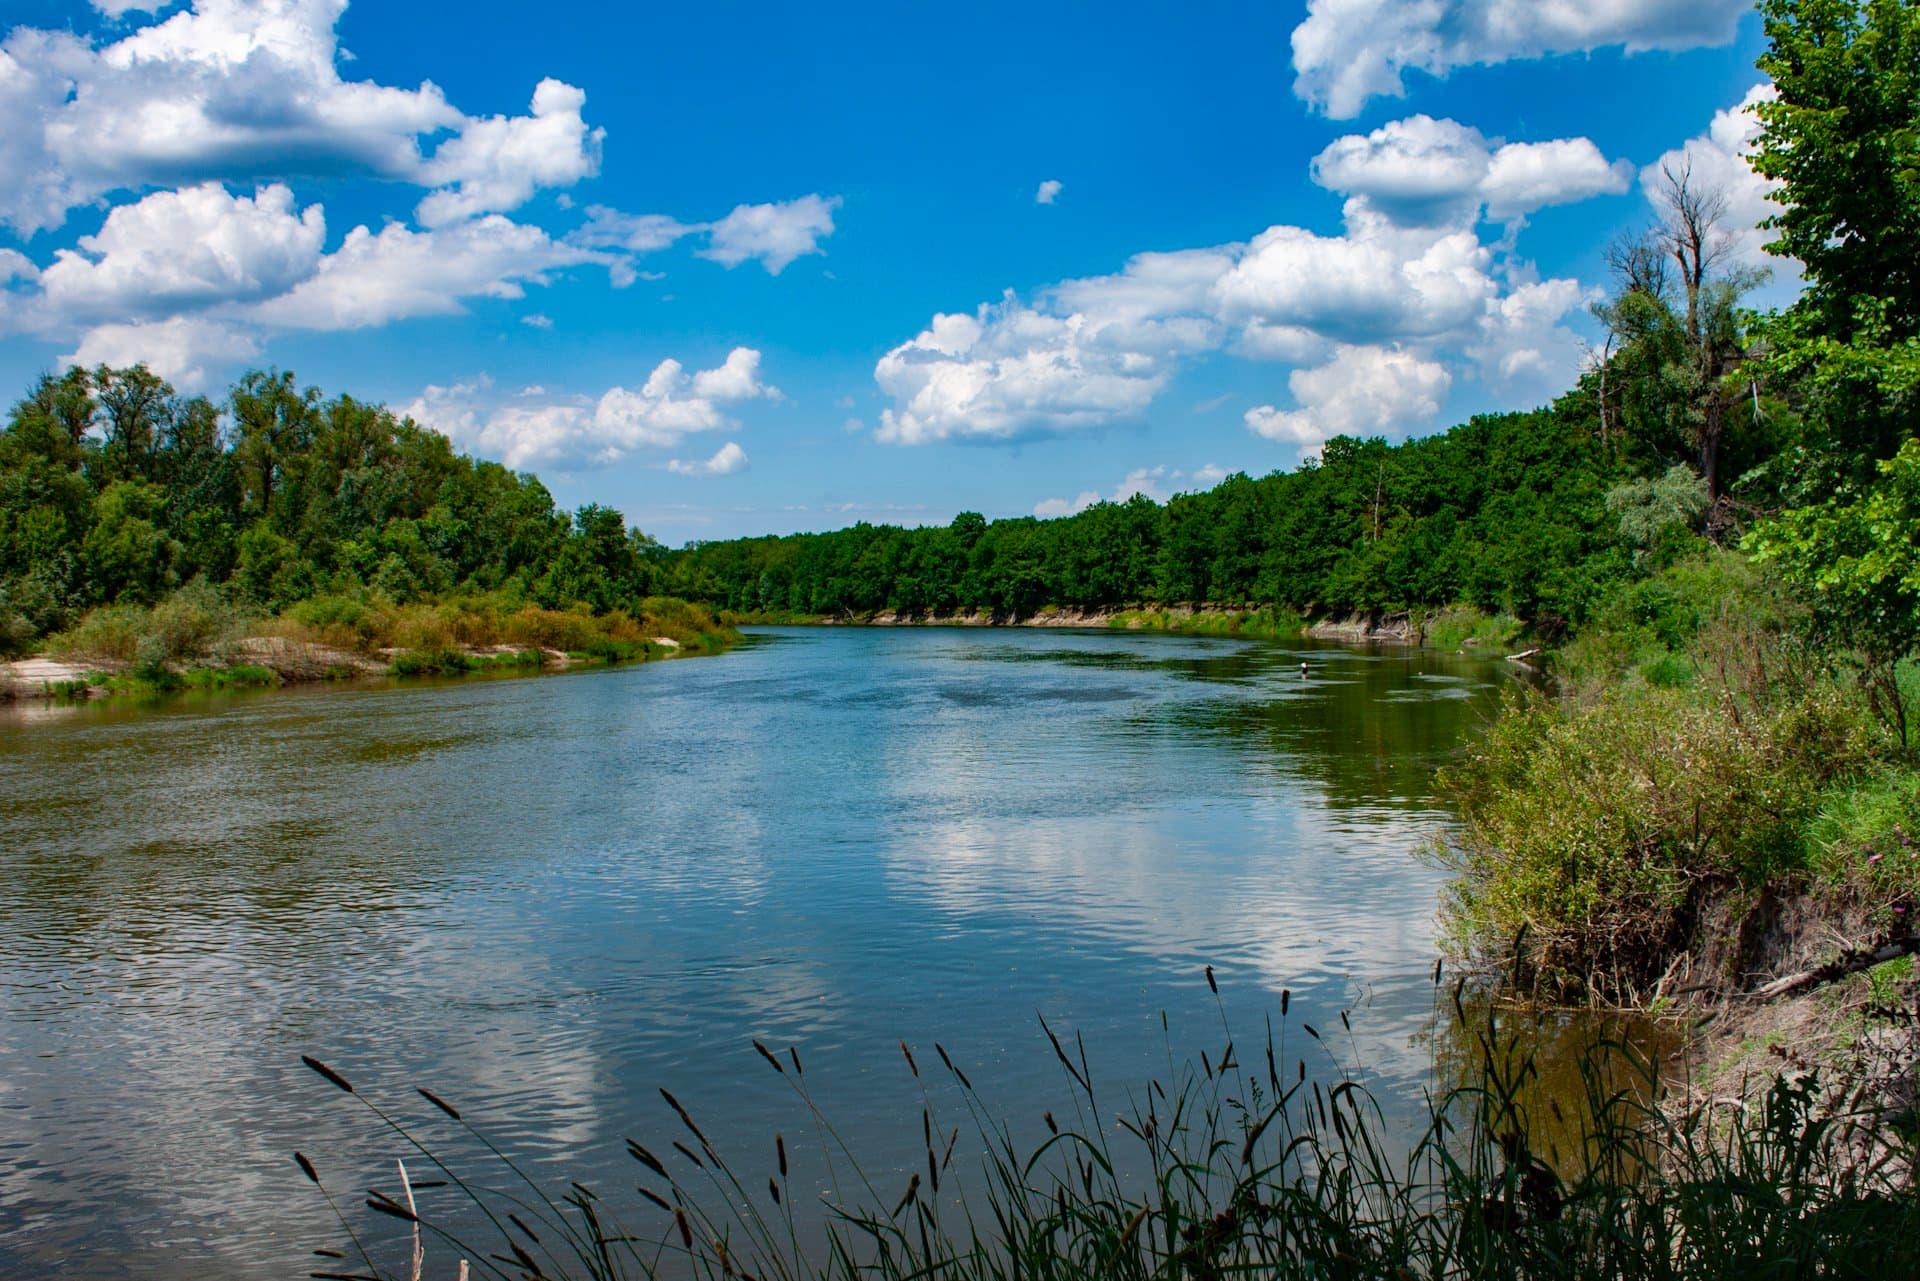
(371, 624)
(196, 623)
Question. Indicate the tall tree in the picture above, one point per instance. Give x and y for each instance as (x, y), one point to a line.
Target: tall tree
(1842, 136)
(138, 407)
(276, 423)
(1679, 349)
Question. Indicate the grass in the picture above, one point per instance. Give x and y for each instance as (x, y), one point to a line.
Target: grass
(1464, 627)
(197, 639)
(368, 624)
(1867, 835)
(1270, 622)
(233, 676)
(143, 682)
(1240, 1165)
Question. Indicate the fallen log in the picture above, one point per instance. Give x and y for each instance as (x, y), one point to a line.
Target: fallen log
(1848, 963)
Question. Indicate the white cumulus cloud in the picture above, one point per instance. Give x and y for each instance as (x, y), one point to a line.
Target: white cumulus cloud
(396, 273)
(726, 460)
(1009, 369)
(1423, 170)
(496, 164)
(1349, 51)
(1362, 391)
(176, 251)
(248, 90)
(664, 410)
(771, 234)
(1048, 192)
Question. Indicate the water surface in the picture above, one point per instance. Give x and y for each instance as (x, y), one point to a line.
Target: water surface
(545, 897)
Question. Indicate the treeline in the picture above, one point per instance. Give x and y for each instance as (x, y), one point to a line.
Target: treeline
(116, 489)
(1507, 512)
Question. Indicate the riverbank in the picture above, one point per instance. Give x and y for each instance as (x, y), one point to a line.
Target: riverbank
(196, 640)
(1707, 818)
(1460, 627)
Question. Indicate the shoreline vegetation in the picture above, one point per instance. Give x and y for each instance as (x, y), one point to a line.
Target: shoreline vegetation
(197, 640)
(1458, 628)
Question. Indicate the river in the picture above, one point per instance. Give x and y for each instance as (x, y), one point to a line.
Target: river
(545, 897)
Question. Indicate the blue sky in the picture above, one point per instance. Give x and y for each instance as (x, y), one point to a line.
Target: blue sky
(688, 260)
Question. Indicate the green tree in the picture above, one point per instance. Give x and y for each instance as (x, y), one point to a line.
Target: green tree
(138, 408)
(1842, 136)
(276, 421)
(1856, 561)
(126, 555)
(1679, 378)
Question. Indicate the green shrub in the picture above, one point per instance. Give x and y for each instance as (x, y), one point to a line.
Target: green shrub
(1463, 626)
(1865, 836)
(111, 632)
(1642, 622)
(190, 624)
(1269, 622)
(608, 650)
(336, 614)
(1592, 835)
(17, 631)
(194, 622)
(1667, 671)
(431, 662)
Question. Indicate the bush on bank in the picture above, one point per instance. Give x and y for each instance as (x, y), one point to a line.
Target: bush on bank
(199, 636)
(1700, 757)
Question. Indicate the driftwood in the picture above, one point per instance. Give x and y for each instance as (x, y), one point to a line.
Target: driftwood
(1848, 963)
(1524, 655)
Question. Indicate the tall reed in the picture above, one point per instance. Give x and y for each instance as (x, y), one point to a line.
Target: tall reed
(1242, 1164)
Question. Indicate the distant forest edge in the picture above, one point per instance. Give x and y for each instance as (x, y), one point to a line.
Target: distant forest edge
(1508, 512)
(1535, 514)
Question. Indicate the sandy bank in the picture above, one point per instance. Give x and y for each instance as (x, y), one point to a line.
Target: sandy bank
(1398, 628)
(271, 660)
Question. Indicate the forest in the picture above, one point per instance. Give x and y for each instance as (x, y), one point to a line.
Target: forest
(115, 489)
